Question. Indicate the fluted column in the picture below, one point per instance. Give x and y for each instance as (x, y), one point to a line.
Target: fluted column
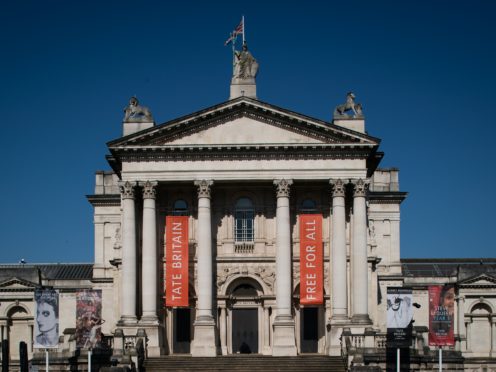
(284, 330)
(359, 262)
(149, 260)
(128, 287)
(204, 339)
(339, 291)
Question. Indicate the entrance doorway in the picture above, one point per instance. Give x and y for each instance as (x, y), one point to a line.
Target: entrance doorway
(309, 330)
(182, 331)
(245, 331)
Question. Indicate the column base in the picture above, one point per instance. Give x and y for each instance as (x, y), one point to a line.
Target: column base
(284, 337)
(203, 344)
(148, 320)
(334, 339)
(127, 320)
(361, 319)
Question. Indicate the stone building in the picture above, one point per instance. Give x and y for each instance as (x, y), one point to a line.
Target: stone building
(245, 173)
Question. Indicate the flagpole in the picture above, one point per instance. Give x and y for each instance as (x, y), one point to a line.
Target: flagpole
(243, 22)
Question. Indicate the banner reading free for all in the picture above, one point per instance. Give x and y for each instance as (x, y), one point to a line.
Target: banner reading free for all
(311, 260)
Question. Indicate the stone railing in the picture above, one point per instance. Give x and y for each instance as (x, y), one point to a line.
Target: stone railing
(244, 247)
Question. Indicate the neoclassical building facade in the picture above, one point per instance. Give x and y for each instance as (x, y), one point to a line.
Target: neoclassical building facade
(241, 177)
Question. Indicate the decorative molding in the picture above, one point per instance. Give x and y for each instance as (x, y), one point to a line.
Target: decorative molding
(283, 187)
(107, 200)
(204, 188)
(360, 188)
(338, 188)
(149, 189)
(254, 109)
(127, 189)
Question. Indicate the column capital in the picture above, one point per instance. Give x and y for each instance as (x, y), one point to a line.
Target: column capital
(360, 187)
(338, 187)
(127, 189)
(204, 188)
(282, 186)
(149, 189)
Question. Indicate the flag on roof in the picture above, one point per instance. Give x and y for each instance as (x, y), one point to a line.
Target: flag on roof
(238, 30)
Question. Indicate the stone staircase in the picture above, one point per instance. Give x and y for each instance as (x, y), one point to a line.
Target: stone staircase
(246, 363)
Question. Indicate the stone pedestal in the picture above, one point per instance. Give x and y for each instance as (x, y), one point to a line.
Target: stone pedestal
(130, 128)
(243, 87)
(203, 344)
(284, 336)
(358, 125)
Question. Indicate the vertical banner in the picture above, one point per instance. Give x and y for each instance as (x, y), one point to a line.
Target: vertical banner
(399, 317)
(176, 267)
(441, 315)
(46, 325)
(89, 318)
(311, 260)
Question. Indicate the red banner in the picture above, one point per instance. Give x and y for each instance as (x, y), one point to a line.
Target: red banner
(176, 266)
(311, 260)
(441, 315)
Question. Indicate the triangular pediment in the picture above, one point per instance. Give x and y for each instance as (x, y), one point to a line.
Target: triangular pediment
(244, 121)
(479, 280)
(17, 284)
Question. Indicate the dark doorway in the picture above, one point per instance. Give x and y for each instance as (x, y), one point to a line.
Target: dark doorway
(182, 331)
(309, 330)
(245, 331)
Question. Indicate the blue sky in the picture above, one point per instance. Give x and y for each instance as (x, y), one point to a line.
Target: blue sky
(423, 71)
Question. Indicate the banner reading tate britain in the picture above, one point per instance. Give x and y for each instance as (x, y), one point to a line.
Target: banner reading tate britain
(176, 255)
(311, 260)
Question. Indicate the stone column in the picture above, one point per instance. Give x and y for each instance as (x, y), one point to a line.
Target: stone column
(266, 331)
(284, 326)
(462, 339)
(128, 288)
(359, 262)
(204, 326)
(149, 260)
(223, 330)
(338, 285)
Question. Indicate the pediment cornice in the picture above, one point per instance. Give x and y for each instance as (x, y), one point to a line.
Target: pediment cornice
(164, 134)
(478, 281)
(17, 284)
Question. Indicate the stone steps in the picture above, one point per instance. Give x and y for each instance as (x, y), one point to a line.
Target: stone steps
(245, 363)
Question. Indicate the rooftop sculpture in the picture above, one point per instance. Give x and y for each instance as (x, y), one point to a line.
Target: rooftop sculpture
(356, 108)
(134, 113)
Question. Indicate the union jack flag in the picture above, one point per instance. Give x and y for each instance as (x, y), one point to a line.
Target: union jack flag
(238, 30)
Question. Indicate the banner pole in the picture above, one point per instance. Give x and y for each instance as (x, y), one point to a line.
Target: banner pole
(89, 360)
(440, 358)
(398, 369)
(47, 364)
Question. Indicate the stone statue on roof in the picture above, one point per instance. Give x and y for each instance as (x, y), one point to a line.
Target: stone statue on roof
(135, 113)
(349, 106)
(245, 65)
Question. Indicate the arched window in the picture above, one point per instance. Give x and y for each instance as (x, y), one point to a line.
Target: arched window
(308, 206)
(245, 290)
(180, 208)
(243, 220)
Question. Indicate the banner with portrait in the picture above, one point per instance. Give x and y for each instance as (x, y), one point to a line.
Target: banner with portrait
(46, 325)
(176, 266)
(89, 318)
(399, 317)
(441, 315)
(311, 260)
